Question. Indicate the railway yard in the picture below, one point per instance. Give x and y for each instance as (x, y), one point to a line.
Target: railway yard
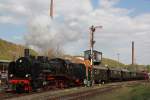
(47, 62)
(77, 93)
(41, 78)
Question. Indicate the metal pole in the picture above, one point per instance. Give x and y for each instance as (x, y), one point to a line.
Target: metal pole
(132, 52)
(91, 48)
(92, 30)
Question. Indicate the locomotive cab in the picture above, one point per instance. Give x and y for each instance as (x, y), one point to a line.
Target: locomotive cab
(97, 56)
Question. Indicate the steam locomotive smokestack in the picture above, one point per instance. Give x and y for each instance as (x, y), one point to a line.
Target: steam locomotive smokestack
(26, 52)
(132, 52)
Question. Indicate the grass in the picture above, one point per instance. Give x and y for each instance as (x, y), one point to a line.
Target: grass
(136, 92)
(112, 63)
(140, 93)
(9, 50)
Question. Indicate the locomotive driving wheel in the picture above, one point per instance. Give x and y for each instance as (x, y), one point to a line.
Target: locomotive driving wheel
(60, 84)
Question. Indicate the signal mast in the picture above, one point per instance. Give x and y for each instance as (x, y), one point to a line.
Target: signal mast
(91, 58)
(92, 42)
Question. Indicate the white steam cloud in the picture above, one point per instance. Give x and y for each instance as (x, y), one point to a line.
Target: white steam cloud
(46, 33)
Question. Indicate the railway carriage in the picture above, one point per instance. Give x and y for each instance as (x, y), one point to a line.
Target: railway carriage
(132, 75)
(141, 75)
(100, 74)
(125, 74)
(114, 74)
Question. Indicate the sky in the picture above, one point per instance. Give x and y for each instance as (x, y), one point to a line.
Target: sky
(28, 22)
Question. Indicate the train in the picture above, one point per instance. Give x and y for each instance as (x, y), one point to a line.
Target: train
(31, 73)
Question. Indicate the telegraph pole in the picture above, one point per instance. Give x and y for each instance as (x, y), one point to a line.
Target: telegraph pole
(132, 52)
(92, 42)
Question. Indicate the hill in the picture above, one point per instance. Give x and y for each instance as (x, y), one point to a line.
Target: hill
(10, 51)
(112, 63)
(105, 61)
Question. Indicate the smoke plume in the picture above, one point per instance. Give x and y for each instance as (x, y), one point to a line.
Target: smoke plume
(44, 34)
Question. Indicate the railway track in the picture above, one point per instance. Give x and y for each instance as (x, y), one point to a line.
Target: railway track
(77, 93)
(86, 94)
(83, 95)
(5, 96)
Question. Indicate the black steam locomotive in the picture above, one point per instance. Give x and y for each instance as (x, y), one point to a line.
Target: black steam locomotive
(30, 73)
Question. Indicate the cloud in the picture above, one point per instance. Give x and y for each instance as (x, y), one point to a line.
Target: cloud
(7, 19)
(108, 3)
(70, 26)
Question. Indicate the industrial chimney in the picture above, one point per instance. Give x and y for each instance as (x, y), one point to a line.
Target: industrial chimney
(51, 9)
(26, 52)
(132, 52)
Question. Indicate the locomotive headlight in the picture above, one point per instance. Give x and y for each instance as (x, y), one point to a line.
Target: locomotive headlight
(27, 75)
(11, 75)
(20, 61)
